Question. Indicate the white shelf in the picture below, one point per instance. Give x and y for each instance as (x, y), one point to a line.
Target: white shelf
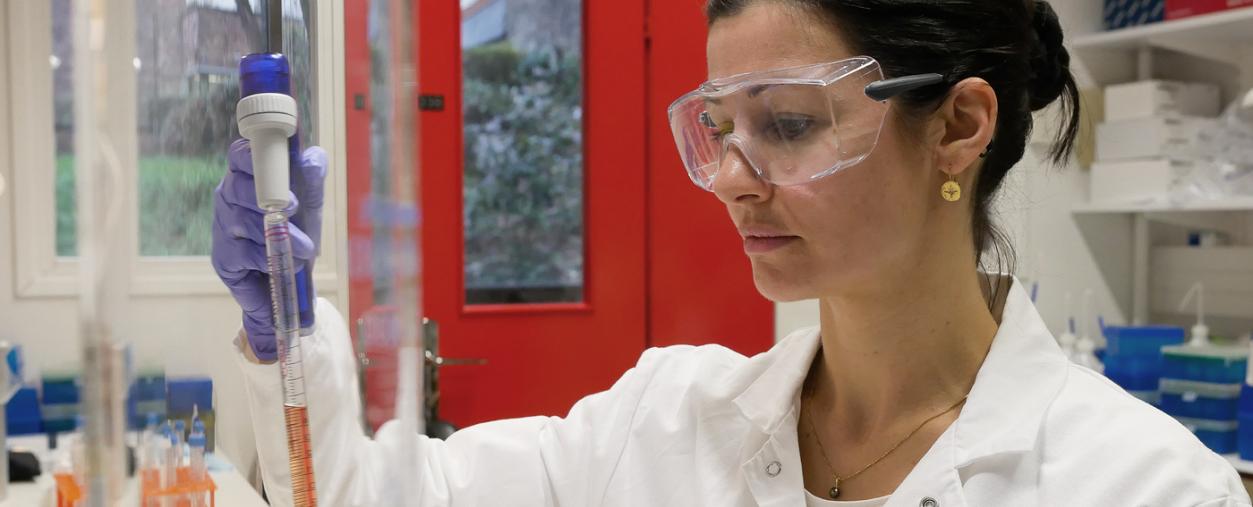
(1243, 204)
(1224, 37)
(1227, 27)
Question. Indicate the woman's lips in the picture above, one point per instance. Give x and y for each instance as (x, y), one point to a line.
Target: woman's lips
(763, 244)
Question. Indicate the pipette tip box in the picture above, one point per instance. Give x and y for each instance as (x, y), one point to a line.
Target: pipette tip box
(1200, 400)
(1220, 436)
(1206, 363)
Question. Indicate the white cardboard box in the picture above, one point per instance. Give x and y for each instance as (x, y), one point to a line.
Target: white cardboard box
(1149, 138)
(1138, 180)
(1146, 99)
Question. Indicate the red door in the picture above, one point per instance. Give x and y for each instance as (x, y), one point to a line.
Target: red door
(560, 234)
(546, 284)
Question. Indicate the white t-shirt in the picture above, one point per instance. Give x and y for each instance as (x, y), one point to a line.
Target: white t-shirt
(813, 501)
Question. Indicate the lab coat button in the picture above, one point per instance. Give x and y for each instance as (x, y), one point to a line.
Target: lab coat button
(774, 468)
(928, 502)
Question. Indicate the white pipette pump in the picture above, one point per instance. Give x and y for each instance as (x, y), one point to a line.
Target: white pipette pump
(267, 120)
(1200, 331)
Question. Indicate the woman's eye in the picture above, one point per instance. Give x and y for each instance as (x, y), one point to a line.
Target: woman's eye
(790, 129)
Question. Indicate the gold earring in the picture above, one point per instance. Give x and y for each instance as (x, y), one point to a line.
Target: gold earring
(950, 190)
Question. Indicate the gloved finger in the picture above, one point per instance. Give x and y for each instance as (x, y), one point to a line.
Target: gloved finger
(309, 179)
(235, 258)
(237, 220)
(239, 189)
(302, 246)
(258, 321)
(239, 240)
(239, 185)
(239, 157)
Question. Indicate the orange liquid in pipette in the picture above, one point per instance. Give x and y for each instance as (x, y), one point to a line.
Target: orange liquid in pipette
(300, 456)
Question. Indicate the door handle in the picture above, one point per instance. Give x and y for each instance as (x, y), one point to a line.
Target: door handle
(431, 358)
(430, 334)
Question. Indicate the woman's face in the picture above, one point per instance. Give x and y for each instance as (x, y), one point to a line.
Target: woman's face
(845, 233)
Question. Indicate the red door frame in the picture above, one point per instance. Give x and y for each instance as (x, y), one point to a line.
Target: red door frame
(695, 298)
(643, 218)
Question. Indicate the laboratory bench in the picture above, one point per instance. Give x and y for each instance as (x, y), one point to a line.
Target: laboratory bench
(233, 490)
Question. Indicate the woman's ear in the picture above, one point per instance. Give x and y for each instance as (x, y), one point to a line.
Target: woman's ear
(967, 119)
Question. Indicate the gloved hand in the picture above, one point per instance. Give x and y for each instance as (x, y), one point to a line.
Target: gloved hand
(239, 239)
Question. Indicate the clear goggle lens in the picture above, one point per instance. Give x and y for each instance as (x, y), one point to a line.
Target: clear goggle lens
(791, 125)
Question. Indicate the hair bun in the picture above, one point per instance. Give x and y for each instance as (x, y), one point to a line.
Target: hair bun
(1050, 62)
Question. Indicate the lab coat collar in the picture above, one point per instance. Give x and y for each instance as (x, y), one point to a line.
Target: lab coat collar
(770, 397)
(1021, 375)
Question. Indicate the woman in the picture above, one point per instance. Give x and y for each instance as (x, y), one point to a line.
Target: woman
(856, 145)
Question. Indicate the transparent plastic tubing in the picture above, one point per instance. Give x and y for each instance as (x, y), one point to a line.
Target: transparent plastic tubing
(287, 335)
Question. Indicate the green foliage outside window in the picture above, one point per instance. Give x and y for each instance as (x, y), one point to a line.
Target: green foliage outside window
(523, 186)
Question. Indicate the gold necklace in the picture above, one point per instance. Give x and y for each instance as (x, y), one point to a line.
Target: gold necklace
(834, 492)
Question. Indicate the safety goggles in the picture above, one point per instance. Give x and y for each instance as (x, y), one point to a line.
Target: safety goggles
(792, 125)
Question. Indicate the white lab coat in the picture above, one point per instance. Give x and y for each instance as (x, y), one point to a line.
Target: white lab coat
(707, 426)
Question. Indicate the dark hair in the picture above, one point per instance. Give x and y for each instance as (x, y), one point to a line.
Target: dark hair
(1014, 45)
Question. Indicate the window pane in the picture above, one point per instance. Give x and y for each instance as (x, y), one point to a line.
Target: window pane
(186, 66)
(62, 62)
(523, 184)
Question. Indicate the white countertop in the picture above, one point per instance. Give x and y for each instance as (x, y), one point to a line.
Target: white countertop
(233, 490)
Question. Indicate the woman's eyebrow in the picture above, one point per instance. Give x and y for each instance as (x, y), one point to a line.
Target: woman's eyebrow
(752, 92)
(756, 90)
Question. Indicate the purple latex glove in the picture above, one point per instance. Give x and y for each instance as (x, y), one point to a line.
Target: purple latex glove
(239, 238)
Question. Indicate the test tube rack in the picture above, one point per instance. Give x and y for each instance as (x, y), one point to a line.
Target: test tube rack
(180, 493)
(70, 493)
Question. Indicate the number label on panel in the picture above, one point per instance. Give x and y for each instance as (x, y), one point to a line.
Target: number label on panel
(431, 102)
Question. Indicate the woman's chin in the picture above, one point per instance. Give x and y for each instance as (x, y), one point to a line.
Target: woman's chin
(778, 286)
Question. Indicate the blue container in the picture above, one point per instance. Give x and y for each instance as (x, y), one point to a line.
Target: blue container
(1244, 437)
(147, 396)
(1220, 436)
(1246, 399)
(1125, 13)
(1205, 363)
(22, 414)
(1200, 400)
(1134, 373)
(182, 394)
(60, 402)
(1126, 341)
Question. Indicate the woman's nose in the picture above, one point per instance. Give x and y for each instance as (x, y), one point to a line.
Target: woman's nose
(736, 182)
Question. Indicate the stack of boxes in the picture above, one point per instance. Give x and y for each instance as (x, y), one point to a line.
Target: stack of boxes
(54, 407)
(147, 396)
(1127, 13)
(1200, 387)
(1133, 357)
(192, 395)
(1147, 146)
(60, 398)
(1244, 415)
(22, 415)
